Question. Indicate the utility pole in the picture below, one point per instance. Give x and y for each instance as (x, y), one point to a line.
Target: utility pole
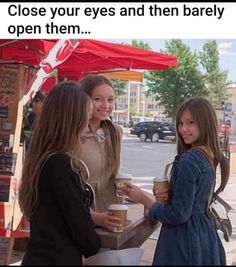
(226, 133)
(223, 106)
(128, 104)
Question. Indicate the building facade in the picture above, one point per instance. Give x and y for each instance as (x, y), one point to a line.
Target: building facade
(136, 105)
(230, 108)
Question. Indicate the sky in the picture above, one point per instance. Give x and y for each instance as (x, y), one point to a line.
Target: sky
(226, 48)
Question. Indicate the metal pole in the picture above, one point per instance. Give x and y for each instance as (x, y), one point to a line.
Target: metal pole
(224, 114)
(225, 144)
(139, 101)
(144, 102)
(128, 104)
(143, 107)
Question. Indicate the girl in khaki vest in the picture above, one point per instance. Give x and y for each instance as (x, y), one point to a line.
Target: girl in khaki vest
(102, 143)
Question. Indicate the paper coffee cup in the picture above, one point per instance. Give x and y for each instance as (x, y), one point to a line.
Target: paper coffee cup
(160, 186)
(120, 180)
(120, 211)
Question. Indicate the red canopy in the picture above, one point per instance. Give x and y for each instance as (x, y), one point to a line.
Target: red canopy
(89, 56)
(97, 55)
(26, 51)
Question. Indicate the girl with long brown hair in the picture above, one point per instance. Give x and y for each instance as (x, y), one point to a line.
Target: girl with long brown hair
(187, 236)
(102, 143)
(52, 194)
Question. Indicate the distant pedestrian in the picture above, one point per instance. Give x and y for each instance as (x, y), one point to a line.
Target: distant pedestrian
(35, 107)
(187, 236)
(131, 123)
(37, 102)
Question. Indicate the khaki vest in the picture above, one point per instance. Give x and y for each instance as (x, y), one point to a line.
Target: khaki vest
(93, 155)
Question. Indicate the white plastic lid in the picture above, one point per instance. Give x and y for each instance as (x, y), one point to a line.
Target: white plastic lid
(164, 178)
(118, 207)
(124, 176)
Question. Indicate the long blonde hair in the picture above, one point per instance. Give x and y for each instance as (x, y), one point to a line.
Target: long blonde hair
(62, 119)
(113, 137)
(205, 117)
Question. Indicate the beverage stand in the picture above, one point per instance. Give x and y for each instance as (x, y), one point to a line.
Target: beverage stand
(14, 78)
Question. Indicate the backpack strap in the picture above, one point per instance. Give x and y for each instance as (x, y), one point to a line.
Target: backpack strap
(222, 202)
(166, 173)
(212, 194)
(172, 164)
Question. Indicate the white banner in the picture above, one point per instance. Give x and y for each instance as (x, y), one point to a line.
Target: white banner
(58, 54)
(117, 20)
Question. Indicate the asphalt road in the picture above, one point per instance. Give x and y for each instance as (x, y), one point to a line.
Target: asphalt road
(144, 158)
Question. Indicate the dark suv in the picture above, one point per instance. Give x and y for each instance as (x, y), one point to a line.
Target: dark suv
(154, 130)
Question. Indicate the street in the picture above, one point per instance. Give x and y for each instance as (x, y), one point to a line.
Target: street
(144, 158)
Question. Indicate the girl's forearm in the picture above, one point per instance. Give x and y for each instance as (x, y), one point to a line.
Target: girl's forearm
(147, 201)
(97, 217)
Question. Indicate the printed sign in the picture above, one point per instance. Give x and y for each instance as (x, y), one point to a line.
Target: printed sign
(8, 79)
(228, 107)
(7, 163)
(3, 112)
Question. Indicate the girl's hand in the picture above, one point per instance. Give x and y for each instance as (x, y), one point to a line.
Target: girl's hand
(136, 194)
(161, 197)
(133, 192)
(105, 220)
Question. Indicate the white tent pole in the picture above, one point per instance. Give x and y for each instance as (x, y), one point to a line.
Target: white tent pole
(128, 106)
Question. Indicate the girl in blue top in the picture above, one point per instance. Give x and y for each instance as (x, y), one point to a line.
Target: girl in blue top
(187, 237)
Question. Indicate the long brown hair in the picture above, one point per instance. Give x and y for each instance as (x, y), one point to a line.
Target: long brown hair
(62, 119)
(113, 139)
(205, 117)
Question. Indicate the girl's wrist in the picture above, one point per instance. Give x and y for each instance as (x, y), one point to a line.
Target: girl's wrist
(147, 202)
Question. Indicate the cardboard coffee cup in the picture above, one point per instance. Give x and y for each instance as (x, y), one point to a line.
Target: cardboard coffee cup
(160, 186)
(120, 181)
(120, 211)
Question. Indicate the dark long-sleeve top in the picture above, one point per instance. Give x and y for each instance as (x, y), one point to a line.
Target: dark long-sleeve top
(187, 236)
(61, 227)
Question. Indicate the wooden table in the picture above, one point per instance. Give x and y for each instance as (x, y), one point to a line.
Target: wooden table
(136, 232)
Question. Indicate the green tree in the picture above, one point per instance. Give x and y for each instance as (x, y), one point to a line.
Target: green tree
(120, 86)
(141, 44)
(171, 87)
(215, 78)
(133, 111)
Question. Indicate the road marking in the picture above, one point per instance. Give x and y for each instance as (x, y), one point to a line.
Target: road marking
(148, 147)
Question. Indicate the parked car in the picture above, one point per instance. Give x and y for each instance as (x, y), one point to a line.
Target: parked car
(154, 130)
